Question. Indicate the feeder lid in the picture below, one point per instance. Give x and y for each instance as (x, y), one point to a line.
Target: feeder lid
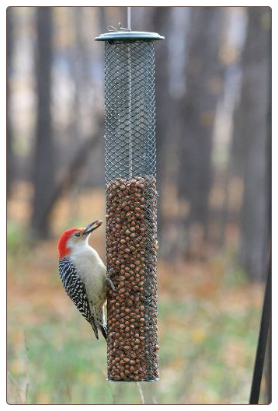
(129, 35)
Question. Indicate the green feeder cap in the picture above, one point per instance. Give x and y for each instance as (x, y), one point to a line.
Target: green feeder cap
(129, 35)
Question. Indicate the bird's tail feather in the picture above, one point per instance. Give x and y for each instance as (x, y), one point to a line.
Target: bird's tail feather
(103, 330)
(95, 330)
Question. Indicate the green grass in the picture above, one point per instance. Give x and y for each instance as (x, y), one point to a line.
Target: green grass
(14, 236)
(206, 356)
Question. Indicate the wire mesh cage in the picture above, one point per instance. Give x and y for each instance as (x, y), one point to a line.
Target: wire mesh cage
(131, 198)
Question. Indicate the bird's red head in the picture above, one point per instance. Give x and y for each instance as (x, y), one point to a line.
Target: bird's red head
(74, 236)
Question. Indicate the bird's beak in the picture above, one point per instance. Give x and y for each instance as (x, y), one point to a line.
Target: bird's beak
(91, 227)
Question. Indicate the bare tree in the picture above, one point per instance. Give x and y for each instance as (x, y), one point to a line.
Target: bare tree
(74, 168)
(43, 168)
(253, 129)
(161, 22)
(204, 84)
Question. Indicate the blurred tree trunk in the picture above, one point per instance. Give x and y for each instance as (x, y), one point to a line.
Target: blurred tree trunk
(10, 43)
(204, 84)
(252, 129)
(160, 21)
(75, 168)
(78, 66)
(102, 19)
(43, 168)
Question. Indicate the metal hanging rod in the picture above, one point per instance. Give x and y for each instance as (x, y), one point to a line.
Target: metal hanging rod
(120, 28)
(129, 18)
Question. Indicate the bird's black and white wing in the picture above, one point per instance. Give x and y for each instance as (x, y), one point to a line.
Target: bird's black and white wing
(76, 290)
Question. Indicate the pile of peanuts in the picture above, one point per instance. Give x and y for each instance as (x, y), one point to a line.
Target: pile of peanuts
(132, 348)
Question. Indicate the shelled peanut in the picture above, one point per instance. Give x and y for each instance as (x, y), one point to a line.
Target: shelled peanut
(131, 263)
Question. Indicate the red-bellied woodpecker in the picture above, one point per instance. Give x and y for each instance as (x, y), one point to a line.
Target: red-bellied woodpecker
(83, 275)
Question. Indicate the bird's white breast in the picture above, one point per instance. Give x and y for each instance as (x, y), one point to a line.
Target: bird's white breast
(92, 271)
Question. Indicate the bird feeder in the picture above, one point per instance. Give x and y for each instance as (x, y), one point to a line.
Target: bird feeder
(131, 205)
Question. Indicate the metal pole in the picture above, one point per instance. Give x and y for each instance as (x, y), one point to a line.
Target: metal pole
(130, 142)
(129, 18)
(262, 341)
(129, 92)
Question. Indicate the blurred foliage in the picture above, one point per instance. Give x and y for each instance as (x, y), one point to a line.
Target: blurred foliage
(206, 356)
(14, 237)
(208, 324)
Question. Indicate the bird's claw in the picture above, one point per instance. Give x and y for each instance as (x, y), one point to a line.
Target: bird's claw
(110, 282)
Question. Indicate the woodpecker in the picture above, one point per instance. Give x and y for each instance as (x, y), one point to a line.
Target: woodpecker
(83, 275)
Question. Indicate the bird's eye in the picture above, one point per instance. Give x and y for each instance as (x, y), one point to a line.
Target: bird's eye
(77, 234)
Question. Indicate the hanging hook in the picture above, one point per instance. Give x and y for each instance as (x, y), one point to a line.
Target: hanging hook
(120, 28)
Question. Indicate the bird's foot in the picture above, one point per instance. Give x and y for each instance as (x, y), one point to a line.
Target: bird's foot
(110, 282)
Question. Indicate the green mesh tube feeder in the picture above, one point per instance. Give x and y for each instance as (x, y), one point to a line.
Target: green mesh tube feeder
(131, 205)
